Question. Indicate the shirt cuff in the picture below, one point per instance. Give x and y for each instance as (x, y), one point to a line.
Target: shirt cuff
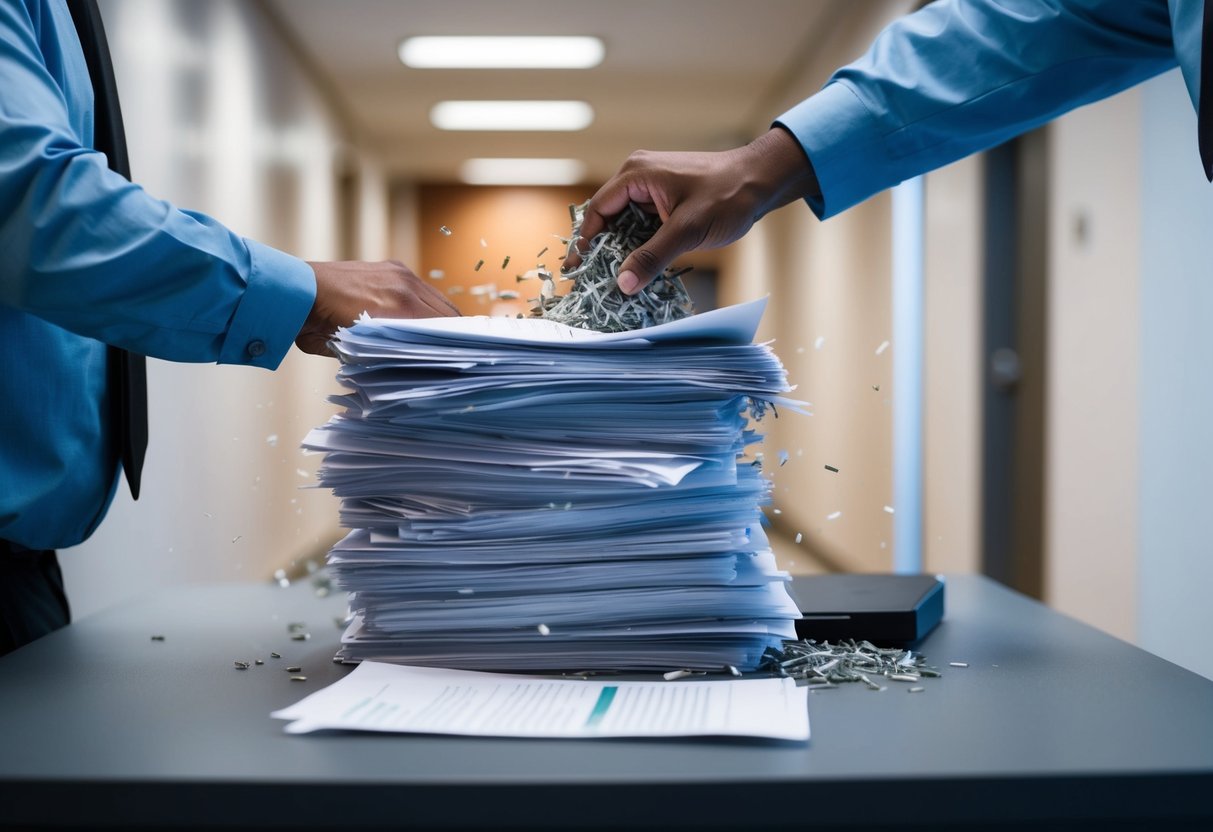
(277, 299)
(845, 145)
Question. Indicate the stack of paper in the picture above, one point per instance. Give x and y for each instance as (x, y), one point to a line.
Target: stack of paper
(526, 496)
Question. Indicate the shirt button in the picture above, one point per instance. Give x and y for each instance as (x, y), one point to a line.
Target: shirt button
(255, 349)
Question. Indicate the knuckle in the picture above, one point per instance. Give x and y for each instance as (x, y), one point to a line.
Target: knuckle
(637, 159)
(646, 261)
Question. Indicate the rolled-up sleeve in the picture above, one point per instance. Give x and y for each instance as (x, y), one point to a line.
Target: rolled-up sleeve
(88, 251)
(960, 76)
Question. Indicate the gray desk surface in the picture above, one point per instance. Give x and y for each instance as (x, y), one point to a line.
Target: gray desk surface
(1051, 721)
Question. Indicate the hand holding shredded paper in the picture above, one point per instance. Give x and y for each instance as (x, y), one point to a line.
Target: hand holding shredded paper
(594, 301)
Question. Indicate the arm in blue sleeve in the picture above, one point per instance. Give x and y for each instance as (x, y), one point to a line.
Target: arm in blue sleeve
(960, 76)
(84, 249)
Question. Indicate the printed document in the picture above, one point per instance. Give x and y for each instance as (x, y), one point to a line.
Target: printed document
(400, 698)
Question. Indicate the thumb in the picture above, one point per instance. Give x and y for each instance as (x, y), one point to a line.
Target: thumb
(651, 259)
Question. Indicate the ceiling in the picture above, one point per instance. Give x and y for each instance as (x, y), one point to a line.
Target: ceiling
(678, 74)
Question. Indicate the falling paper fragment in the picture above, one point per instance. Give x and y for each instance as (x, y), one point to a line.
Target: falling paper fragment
(884, 345)
(437, 274)
(888, 509)
(544, 630)
(799, 537)
(833, 515)
(445, 231)
(820, 342)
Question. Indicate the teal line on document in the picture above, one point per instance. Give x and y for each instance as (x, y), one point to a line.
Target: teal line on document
(601, 707)
(355, 707)
(363, 703)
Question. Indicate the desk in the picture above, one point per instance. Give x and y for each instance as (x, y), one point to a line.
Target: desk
(1051, 721)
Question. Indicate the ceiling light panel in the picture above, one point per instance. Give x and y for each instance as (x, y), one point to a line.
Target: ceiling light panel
(511, 115)
(493, 52)
(522, 171)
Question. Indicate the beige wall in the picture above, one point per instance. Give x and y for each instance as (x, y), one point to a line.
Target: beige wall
(222, 118)
(1175, 479)
(835, 292)
(831, 282)
(954, 367)
(1092, 424)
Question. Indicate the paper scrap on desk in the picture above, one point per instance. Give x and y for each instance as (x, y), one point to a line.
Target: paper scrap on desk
(405, 699)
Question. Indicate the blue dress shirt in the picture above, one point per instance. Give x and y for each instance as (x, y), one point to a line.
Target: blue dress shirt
(960, 76)
(88, 259)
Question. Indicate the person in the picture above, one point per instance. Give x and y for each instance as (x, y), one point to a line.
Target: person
(90, 262)
(953, 78)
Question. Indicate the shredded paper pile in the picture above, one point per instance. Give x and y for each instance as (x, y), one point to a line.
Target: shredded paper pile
(594, 302)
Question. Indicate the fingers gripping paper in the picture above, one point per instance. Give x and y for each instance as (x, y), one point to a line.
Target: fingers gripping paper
(524, 496)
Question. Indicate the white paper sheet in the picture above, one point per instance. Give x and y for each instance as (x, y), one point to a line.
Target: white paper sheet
(733, 324)
(403, 699)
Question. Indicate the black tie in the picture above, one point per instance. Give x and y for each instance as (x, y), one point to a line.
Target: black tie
(1204, 124)
(127, 370)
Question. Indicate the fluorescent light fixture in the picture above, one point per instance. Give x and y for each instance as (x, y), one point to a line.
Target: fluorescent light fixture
(493, 52)
(522, 171)
(511, 115)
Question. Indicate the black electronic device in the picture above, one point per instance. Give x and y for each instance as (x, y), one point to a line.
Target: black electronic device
(883, 609)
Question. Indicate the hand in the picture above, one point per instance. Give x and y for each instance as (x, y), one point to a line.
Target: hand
(705, 200)
(344, 290)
